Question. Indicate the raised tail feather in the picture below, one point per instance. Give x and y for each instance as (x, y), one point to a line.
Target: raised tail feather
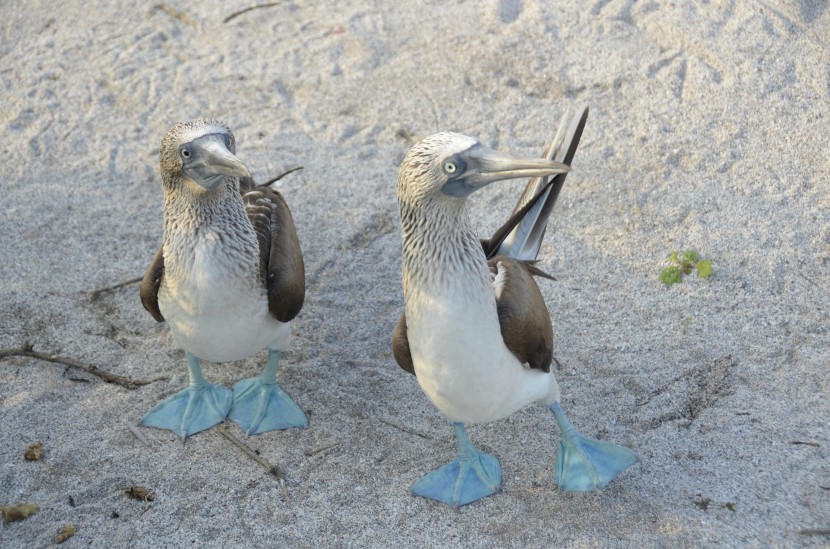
(521, 236)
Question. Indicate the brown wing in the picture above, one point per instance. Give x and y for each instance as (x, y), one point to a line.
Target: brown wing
(281, 260)
(150, 284)
(400, 346)
(523, 316)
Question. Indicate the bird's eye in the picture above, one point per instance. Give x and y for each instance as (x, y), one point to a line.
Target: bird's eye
(450, 167)
(185, 153)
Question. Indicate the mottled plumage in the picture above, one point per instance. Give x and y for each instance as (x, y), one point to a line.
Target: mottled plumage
(229, 275)
(448, 288)
(476, 331)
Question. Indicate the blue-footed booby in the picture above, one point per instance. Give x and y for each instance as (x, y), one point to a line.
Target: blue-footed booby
(228, 280)
(475, 331)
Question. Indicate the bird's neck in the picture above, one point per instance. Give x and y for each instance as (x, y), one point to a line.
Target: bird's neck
(217, 218)
(441, 252)
(189, 211)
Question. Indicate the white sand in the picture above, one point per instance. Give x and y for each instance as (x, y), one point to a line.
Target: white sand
(708, 130)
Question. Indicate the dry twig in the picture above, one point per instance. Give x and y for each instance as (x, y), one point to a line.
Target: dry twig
(248, 451)
(246, 10)
(27, 350)
(315, 451)
(175, 14)
(137, 433)
(95, 294)
(815, 532)
(410, 431)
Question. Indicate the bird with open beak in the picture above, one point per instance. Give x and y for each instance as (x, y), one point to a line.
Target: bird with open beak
(228, 279)
(476, 332)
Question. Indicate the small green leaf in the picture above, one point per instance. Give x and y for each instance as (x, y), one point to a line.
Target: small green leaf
(671, 275)
(691, 256)
(673, 257)
(704, 268)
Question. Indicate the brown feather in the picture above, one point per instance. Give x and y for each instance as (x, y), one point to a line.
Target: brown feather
(150, 284)
(281, 260)
(523, 315)
(400, 346)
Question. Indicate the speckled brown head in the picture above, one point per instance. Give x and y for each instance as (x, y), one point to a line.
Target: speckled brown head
(199, 155)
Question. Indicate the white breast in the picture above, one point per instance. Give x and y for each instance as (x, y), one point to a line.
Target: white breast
(461, 361)
(215, 304)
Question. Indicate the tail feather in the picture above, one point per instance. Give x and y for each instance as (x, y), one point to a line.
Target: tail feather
(521, 236)
(247, 184)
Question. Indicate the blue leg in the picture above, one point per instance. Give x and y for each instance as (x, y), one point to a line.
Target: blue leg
(585, 464)
(472, 476)
(260, 405)
(201, 406)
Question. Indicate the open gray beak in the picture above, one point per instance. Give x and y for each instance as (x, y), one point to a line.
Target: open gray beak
(484, 166)
(207, 161)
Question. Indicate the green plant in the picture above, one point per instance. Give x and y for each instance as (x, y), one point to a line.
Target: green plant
(683, 263)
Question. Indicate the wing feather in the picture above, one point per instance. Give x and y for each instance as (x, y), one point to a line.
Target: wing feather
(281, 259)
(400, 346)
(523, 317)
(149, 289)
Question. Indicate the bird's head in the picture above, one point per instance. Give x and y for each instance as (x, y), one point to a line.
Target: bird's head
(200, 155)
(449, 166)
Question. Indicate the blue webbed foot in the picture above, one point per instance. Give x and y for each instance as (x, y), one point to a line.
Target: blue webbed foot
(260, 405)
(584, 464)
(471, 477)
(259, 408)
(191, 410)
(201, 406)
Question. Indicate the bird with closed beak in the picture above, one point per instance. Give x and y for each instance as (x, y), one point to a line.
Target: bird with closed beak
(475, 331)
(228, 279)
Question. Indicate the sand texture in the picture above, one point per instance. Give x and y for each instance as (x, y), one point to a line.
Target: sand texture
(709, 130)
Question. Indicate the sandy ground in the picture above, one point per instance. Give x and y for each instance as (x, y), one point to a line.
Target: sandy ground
(708, 130)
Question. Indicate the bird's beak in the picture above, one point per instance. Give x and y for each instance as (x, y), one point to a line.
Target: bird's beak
(487, 166)
(484, 166)
(210, 161)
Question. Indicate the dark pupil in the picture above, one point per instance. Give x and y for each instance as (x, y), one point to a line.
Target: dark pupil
(185, 153)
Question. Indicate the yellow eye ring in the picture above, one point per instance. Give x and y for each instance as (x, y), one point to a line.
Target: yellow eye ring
(449, 167)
